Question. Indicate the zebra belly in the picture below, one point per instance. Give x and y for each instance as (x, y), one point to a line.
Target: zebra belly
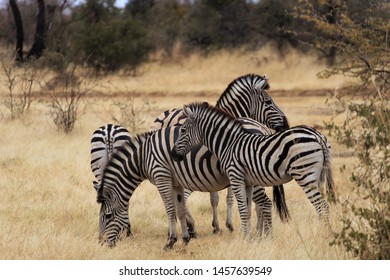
(200, 171)
(266, 180)
(260, 170)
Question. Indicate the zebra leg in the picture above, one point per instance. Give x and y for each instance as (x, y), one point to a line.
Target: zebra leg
(263, 210)
(309, 178)
(190, 224)
(229, 203)
(249, 196)
(322, 207)
(190, 220)
(240, 192)
(260, 220)
(165, 189)
(214, 200)
(178, 194)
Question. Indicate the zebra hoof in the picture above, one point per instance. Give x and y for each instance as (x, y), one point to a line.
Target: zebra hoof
(169, 245)
(217, 230)
(193, 234)
(186, 240)
(191, 231)
(230, 227)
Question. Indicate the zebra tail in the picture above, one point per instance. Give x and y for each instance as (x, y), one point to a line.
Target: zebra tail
(280, 203)
(327, 173)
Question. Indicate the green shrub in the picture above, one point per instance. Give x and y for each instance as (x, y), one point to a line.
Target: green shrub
(362, 43)
(111, 45)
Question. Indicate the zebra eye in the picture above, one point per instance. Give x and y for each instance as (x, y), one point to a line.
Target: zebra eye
(268, 102)
(108, 216)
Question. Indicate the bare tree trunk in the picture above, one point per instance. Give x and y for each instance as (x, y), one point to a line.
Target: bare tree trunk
(40, 33)
(19, 30)
(331, 18)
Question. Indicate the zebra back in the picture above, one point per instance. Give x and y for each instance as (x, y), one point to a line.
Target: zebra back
(105, 140)
(172, 117)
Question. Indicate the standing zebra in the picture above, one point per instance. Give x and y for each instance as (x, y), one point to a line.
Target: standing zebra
(245, 96)
(148, 157)
(299, 153)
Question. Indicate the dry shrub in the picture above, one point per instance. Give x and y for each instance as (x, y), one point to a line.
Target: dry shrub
(132, 116)
(20, 81)
(66, 91)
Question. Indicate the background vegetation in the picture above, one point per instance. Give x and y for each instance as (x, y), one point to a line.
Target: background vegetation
(90, 56)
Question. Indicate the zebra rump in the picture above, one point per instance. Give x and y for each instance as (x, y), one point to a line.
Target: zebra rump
(104, 141)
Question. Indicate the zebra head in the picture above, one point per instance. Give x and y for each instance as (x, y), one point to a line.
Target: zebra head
(189, 136)
(247, 96)
(113, 218)
(264, 109)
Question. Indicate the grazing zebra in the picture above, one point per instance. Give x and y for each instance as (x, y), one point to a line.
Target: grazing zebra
(299, 153)
(245, 96)
(104, 142)
(148, 157)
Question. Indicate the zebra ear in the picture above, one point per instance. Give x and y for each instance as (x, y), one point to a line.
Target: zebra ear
(189, 114)
(95, 185)
(263, 84)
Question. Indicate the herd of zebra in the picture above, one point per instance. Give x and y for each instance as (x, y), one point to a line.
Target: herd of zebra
(243, 143)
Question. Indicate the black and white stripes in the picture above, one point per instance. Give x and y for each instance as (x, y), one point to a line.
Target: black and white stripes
(148, 157)
(245, 96)
(104, 141)
(299, 153)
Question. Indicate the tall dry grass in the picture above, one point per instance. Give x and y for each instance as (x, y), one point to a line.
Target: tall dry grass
(48, 205)
(195, 73)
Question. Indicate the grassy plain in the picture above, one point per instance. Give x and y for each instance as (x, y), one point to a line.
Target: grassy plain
(48, 205)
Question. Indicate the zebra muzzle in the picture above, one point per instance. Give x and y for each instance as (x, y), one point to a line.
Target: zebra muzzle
(175, 155)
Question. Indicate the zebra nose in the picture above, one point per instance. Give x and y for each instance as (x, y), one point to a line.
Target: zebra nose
(175, 155)
(283, 126)
(286, 124)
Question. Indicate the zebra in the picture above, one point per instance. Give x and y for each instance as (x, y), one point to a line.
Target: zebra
(299, 153)
(148, 157)
(104, 142)
(245, 96)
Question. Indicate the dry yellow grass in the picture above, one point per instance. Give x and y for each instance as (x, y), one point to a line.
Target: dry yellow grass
(210, 75)
(48, 206)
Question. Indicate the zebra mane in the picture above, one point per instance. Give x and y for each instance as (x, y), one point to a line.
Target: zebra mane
(197, 107)
(125, 149)
(248, 79)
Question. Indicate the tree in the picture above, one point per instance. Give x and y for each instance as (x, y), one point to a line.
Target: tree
(215, 24)
(39, 38)
(328, 14)
(164, 23)
(19, 30)
(362, 42)
(139, 8)
(107, 40)
(270, 20)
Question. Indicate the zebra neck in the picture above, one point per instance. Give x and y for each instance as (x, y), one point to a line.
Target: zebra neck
(219, 136)
(230, 104)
